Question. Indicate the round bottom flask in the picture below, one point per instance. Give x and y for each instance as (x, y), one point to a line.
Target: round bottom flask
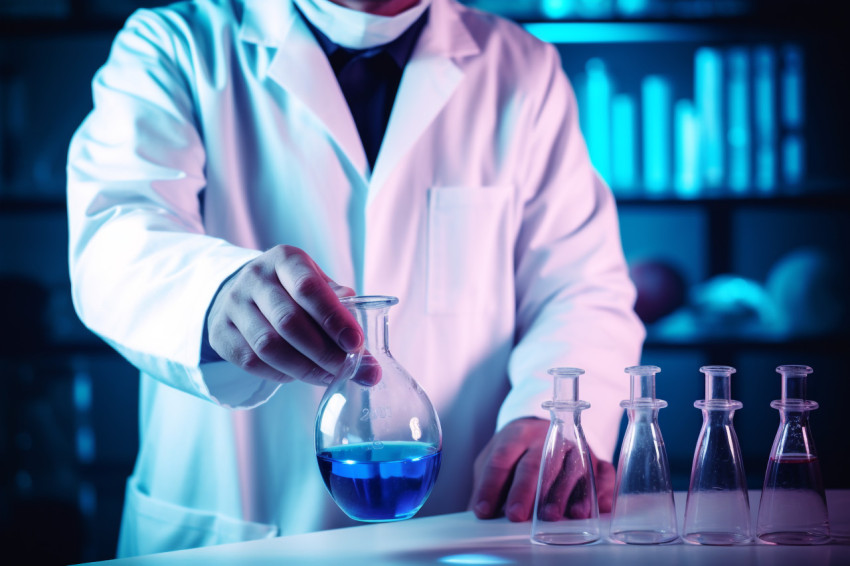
(378, 446)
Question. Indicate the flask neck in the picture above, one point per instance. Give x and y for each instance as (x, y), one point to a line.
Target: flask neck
(375, 325)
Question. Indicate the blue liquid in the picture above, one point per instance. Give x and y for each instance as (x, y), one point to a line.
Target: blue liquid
(380, 484)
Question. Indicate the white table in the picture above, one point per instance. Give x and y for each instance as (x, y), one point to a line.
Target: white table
(460, 538)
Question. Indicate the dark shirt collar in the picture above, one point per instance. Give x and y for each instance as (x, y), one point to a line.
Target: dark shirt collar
(399, 49)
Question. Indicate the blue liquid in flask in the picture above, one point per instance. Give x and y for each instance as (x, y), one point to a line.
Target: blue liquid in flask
(386, 483)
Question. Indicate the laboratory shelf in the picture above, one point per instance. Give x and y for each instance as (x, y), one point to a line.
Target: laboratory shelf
(806, 198)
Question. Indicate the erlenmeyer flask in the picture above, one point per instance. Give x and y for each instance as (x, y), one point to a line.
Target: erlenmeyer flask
(378, 446)
(643, 511)
(565, 510)
(793, 504)
(717, 511)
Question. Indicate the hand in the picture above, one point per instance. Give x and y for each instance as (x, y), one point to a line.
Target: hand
(279, 317)
(507, 470)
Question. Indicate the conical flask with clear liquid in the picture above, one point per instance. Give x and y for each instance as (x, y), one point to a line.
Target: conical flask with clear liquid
(717, 511)
(565, 509)
(378, 446)
(793, 503)
(643, 510)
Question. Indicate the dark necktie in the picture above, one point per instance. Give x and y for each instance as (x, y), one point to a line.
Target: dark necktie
(369, 80)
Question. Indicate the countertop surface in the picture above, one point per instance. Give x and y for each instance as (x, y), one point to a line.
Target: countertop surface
(460, 538)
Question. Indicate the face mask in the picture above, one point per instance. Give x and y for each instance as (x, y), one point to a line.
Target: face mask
(355, 29)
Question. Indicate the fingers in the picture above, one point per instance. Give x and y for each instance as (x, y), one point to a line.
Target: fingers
(236, 350)
(265, 348)
(368, 372)
(308, 286)
(520, 501)
(605, 476)
(279, 317)
(507, 470)
(282, 317)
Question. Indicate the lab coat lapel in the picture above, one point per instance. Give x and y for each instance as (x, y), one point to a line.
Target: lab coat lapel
(301, 67)
(429, 79)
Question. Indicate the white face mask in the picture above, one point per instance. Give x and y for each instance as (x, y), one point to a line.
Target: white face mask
(355, 29)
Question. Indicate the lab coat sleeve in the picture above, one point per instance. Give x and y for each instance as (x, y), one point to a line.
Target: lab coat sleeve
(143, 271)
(574, 295)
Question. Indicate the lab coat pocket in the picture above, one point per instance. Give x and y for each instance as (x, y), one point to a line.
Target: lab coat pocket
(151, 525)
(468, 247)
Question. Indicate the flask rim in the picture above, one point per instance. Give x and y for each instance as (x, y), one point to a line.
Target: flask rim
(718, 369)
(369, 301)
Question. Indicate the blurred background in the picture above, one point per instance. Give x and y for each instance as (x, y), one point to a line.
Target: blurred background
(719, 124)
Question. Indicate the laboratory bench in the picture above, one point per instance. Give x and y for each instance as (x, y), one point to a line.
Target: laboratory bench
(460, 538)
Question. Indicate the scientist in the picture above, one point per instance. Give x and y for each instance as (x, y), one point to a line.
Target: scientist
(247, 162)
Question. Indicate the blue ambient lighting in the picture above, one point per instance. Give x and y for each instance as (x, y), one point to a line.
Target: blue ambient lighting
(738, 132)
(656, 93)
(764, 108)
(598, 109)
(708, 98)
(480, 559)
(624, 151)
(687, 179)
(618, 32)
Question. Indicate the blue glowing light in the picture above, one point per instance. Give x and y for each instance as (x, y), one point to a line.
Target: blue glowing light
(85, 443)
(793, 159)
(617, 32)
(687, 180)
(657, 111)
(792, 87)
(708, 97)
(624, 146)
(598, 112)
(738, 133)
(764, 62)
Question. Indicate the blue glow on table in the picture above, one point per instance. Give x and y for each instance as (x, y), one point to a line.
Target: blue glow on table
(481, 559)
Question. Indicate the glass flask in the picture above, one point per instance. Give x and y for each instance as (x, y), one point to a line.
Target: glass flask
(565, 510)
(378, 446)
(793, 504)
(717, 511)
(643, 510)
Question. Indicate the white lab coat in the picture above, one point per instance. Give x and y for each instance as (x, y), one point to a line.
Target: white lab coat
(483, 215)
